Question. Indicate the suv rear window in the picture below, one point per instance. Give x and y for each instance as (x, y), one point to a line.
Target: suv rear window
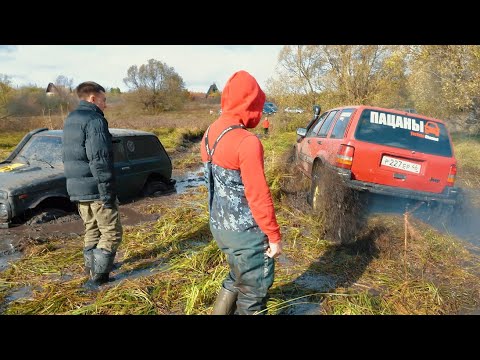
(404, 132)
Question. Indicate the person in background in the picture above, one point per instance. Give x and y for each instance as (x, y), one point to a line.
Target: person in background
(266, 126)
(242, 216)
(88, 167)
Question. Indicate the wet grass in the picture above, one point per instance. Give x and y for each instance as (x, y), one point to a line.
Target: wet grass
(434, 273)
(179, 241)
(188, 161)
(467, 152)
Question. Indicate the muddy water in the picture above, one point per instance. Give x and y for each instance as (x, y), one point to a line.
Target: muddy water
(188, 180)
(71, 225)
(463, 222)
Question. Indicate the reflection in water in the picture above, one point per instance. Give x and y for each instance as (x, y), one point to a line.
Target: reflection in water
(7, 253)
(5, 259)
(188, 180)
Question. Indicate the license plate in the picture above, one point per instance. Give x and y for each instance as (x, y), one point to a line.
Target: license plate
(401, 164)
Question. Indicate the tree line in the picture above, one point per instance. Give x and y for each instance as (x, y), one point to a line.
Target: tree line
(437, 80)
(153, 87)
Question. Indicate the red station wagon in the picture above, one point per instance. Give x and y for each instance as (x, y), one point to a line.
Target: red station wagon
(383, 151)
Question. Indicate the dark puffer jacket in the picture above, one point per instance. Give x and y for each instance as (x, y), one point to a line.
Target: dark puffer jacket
(88, 155)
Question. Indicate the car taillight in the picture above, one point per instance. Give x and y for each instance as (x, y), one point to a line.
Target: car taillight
(345, 156)
(451, 175)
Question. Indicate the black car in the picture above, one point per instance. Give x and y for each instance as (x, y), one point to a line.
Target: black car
(33, 173)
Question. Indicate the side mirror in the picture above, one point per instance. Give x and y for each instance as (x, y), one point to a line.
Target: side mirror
(301, 132)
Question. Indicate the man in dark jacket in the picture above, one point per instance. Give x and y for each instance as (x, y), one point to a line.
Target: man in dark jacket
(88, 166)
(242, 216)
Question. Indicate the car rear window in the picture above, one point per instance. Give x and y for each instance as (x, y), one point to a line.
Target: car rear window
(403, 132)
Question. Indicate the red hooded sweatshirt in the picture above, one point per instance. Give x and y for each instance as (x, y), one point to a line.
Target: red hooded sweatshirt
(241, 197)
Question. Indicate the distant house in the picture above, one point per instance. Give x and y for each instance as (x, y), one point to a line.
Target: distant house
(212, 91)
(52, 90)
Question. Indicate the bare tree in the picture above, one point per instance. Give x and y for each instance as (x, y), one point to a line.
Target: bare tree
(65, 100)
(64, 82)
(156, 86)
(445, 79)
(341, 73)
(303, 69)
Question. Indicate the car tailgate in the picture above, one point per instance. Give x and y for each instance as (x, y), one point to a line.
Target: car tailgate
(400, 167)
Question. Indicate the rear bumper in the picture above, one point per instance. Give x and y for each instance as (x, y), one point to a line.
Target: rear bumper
(449, 196)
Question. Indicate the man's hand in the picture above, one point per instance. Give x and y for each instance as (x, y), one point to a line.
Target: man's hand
(274, 249)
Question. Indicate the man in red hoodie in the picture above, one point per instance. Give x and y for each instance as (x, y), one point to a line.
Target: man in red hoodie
(242, 216)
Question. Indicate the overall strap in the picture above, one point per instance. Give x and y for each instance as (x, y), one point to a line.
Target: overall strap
(207, 148)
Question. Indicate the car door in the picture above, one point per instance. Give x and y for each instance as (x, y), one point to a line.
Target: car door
(337, 135)
(122, 168)
(316, 145)
(147, 156)
(304, 156)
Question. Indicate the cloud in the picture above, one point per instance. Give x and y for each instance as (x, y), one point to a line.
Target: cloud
(198, 65)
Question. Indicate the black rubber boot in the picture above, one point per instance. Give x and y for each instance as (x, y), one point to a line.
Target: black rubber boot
(88, 259)
(225, 304)
(102, 265)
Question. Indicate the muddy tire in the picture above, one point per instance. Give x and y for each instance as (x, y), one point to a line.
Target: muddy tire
(158, 187)
(46, 215)
(318, 189)
(340, 208)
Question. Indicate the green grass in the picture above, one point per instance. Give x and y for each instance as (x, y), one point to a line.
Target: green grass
(8, 141)
(467, 152)
(174, 139)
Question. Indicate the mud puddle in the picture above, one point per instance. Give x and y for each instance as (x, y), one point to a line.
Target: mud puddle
(189, 179)
(58, 223)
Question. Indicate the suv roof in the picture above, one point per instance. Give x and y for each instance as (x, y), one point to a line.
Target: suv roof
(114, 131)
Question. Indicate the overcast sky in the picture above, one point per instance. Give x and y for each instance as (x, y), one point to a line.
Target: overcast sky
(198, 65)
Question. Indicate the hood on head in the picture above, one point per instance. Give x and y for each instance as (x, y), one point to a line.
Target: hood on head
(242, 99)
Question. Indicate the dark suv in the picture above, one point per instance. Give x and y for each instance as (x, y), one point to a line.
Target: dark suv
(33, 173)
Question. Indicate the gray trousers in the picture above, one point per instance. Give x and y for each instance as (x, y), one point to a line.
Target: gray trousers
(251, 270)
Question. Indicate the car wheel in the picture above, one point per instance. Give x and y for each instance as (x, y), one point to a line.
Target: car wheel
(157, 187)
(46, 215)
(317, 190)
(340, 208)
